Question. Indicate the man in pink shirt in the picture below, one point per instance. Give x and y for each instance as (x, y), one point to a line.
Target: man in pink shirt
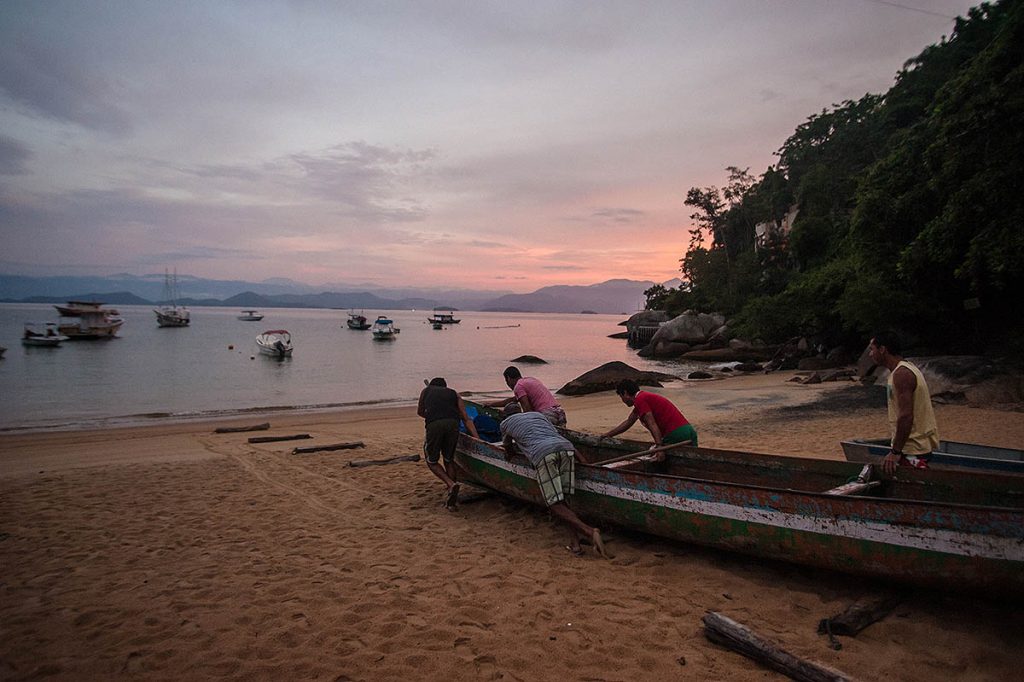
(532, 395)
(657, 413)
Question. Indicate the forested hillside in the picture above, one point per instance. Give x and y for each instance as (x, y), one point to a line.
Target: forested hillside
(910, 210)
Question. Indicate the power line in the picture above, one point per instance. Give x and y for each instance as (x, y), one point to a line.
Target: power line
(912, 9)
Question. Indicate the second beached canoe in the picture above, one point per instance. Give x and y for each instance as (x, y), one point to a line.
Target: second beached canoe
(949, 455)
(934, 528)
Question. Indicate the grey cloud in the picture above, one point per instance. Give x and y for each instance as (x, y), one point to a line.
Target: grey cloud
(618, 215)
(13, 156)
(364, 179)
(57, 85)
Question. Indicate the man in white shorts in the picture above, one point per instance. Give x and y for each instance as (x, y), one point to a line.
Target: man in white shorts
(553, 458)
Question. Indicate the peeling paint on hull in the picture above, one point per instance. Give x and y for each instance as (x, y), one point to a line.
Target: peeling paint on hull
(917, 541)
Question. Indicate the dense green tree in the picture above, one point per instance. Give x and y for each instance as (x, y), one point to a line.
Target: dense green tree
(910, 207)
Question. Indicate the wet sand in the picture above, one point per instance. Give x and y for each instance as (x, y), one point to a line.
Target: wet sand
(171, 552)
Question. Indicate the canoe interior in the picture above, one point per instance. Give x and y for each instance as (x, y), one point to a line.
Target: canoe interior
(950, 455)
(813, 475)
(795, 473)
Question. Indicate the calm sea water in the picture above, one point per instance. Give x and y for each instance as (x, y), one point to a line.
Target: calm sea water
(152, 373)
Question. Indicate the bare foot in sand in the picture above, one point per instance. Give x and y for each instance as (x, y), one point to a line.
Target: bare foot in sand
(452, 501)
(599, 547)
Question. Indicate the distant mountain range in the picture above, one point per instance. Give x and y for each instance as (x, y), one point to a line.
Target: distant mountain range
(614, 296)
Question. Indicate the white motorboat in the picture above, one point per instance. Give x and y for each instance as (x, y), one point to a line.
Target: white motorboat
(383, 329)
(42, 335)
(170, 314)
(88, 320)
(276, 343)
(250, 316)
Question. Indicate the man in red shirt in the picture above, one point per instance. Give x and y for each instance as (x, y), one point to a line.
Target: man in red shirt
(658, 415)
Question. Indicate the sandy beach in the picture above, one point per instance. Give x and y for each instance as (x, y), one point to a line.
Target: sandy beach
(171, 552)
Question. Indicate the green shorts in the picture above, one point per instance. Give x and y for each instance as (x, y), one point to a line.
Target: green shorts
(685, 432)
(556, 474)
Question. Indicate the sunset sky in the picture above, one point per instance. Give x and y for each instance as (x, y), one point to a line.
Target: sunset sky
(494, 145)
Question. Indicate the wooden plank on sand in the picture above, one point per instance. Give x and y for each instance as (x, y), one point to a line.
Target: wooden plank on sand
(859, 615)
(376, 462)
(739, 638)
(324, 448)
(238, 429)
(274, 439)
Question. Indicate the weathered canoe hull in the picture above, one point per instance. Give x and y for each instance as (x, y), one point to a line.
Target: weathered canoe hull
(950, 455)
(910, 541)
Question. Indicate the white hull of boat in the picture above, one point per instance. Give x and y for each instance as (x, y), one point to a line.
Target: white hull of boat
(275, 344)
(172, 317)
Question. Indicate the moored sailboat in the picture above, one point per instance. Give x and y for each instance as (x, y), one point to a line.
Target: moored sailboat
(169, 313)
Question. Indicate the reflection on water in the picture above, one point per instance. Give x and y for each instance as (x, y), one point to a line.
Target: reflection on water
(213, 365)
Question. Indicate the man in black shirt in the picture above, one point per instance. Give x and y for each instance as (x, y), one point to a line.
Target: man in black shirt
(441, 409)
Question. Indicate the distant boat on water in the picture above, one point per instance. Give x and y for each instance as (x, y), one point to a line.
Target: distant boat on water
(357, 321)
(276, 343)
(250, 316)
(383, 329)
(170, 314)
(42, 335)
(443, 316)
(88, 320)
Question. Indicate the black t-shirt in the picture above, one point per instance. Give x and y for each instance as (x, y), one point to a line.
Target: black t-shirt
(440, 403)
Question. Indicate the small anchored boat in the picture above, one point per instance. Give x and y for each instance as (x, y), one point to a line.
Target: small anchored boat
(88, 320)
(443, 316)
(42, 335)
(250, 316)
(383, 329)
(357, 321)
(277, 343)
(169, 313)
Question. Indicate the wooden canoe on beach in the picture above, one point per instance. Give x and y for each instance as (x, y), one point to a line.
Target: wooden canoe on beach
(927, 528)
(949, 455)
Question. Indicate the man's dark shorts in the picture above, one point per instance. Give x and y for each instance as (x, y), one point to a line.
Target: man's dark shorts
(442, 437)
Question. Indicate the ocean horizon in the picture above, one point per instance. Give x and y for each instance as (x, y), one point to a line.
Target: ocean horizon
(212, 369)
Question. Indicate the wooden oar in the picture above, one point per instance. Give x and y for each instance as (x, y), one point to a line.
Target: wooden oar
(641, 453)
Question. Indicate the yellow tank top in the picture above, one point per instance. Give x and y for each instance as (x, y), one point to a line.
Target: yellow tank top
(924, 434)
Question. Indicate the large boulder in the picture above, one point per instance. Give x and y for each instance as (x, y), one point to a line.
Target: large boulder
(529, 360)
(645, 318)
(969, 379)
(690, 327)
(663, 349)
(605, 377)
(728, 355)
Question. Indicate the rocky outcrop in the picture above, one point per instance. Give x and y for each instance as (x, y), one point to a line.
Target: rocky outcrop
(605, 377)
(678, 335)
(642, 326)
(529, 360)
(967, 379)
(727, 355)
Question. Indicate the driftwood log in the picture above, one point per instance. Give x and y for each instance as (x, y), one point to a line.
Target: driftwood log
(274, 439)
(324, 448)
(238, 429)
(727, 632)
(377, 462)
(858, 616)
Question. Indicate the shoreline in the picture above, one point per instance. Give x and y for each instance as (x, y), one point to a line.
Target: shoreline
(168, 551)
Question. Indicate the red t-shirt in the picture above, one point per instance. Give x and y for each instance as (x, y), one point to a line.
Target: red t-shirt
(666, 415)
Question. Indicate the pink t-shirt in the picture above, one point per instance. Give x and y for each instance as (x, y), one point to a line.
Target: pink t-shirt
(666, 415)
(540, 397)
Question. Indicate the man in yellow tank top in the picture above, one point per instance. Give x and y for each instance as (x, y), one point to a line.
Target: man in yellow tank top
(914, 432)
